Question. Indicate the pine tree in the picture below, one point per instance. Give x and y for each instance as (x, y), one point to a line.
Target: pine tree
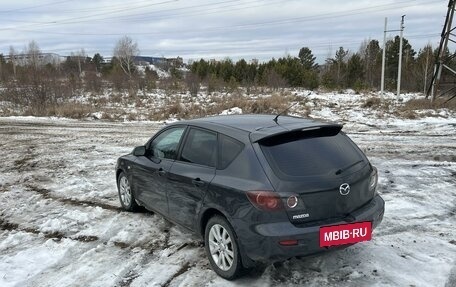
(307, 58)
(97, 60)
(355, 71)
(340, 61)
(392, 61)
(371, 54)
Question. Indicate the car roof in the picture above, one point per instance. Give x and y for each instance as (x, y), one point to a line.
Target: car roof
(258, 126)
(253, 122)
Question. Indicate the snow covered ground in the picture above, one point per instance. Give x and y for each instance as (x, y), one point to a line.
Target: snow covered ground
(61, 223)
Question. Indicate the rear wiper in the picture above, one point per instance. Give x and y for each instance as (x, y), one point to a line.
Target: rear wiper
(341, 170)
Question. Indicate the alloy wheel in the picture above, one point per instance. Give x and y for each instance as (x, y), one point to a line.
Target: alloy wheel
(221, 247)
(125, 191)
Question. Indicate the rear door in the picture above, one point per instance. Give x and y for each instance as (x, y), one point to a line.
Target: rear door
(191, 175)
(317, 166)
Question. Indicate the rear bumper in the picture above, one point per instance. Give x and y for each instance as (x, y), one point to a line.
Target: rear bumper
(261, 242)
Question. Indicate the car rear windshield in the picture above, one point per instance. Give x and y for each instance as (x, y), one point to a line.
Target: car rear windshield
(311, 154)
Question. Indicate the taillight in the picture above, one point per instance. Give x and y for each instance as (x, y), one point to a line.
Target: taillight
(265, 200)
(373, 179)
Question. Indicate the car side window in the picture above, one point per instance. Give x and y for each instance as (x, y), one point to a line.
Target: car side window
(229, 148)
(200, 147)
(165, 145)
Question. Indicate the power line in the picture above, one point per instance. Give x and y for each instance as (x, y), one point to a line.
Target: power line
(72, 11)
(98, 14)
(160, 15)
(371, 9)
(36, 6)
(78, 20)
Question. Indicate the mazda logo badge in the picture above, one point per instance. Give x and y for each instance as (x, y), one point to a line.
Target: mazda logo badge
(344, 189)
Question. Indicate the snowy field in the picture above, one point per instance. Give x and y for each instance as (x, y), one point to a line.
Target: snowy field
(61, 223)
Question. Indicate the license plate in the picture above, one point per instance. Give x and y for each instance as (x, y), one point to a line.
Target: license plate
(345, 233)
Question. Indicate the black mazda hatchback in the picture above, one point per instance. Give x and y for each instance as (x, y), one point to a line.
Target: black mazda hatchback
(257, 188)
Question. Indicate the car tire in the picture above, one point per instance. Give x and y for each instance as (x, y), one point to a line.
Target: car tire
(126, 197)
(222, 248)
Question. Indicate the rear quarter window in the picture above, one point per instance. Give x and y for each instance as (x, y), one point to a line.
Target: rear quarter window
(310, 156)
(229, 148)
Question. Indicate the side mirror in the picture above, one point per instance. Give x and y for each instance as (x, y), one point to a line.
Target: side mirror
(139, 151)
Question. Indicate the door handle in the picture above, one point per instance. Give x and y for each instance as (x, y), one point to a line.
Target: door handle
(161, 172)
(198, 182)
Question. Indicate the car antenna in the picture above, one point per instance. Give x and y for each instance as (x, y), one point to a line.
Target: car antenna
(282, 112)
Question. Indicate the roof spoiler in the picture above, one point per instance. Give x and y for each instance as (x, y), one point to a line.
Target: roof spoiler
(274, 131)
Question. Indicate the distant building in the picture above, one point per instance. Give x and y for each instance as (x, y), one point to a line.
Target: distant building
(144, 60)
(42, 58)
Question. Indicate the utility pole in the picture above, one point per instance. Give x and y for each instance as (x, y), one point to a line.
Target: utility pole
(444, 85)
(400, 58)
(383, 59)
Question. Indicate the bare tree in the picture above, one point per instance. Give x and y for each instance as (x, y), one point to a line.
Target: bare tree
(125, 51)
(82, 56)
(425, 62)
(13, 59)
(79, 57)
(33, 54)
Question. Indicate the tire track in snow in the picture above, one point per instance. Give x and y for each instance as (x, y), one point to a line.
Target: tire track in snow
(150, 248)
(129, 274)
(184, 268)
(47, 194)
(58, 235)
(55, 235)
(7, 225)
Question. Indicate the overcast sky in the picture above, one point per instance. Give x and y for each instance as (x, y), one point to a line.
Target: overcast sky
(195, 29)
